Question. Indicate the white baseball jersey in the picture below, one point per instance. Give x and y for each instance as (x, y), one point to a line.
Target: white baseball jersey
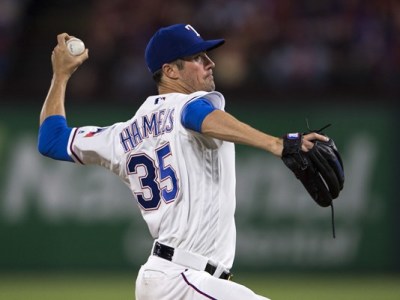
(183, 181)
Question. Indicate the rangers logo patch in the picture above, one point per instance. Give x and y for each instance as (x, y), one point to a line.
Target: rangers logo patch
(93, 133)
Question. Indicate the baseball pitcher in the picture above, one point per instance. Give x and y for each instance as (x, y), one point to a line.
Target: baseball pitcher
(177, 156)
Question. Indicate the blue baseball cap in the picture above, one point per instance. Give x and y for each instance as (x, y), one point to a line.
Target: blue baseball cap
(173, 42)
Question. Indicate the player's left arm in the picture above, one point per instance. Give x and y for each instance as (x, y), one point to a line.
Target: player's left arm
(222, 125)
(201, 116)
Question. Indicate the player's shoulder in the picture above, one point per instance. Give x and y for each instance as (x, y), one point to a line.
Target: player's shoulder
(216, 98)
(201, 94)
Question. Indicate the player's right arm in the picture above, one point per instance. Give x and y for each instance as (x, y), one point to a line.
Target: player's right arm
(64, 65)
(54, 132)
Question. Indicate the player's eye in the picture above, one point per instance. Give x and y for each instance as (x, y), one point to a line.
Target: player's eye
(198, 58)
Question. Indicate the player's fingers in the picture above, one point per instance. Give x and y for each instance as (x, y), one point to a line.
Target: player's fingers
(309, 139)
(315, 136)
(84, 56)
(62, 37)
(306, 145)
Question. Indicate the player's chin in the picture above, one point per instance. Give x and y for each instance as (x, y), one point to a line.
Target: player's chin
(210, 86)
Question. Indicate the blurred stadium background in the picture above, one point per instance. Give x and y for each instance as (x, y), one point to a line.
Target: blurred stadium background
(69, 232)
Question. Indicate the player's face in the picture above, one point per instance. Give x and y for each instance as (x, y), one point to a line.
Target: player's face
(197, 73)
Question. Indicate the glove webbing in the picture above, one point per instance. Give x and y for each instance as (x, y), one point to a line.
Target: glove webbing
(314, 130)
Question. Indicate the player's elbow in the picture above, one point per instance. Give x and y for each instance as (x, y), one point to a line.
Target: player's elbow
(42, 146)
(53, 139)
(45, 147)
(55, 149)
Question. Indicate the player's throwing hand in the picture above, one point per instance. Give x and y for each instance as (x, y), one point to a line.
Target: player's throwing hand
(63, 62)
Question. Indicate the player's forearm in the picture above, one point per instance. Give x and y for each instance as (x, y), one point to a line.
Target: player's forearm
(54, 103)
(223, 126)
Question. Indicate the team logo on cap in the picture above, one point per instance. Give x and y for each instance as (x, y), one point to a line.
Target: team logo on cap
(190, 27)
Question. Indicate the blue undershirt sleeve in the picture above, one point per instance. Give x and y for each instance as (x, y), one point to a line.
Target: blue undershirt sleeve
(194, 113)
(53, 138)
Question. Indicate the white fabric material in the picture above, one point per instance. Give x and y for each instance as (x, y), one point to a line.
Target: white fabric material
(184, 182)
(162, 279)
(190, 260)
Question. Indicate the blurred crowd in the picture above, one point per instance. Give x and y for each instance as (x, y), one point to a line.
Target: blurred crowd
(280, 47)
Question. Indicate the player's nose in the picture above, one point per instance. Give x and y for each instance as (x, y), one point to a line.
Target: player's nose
(208, 61)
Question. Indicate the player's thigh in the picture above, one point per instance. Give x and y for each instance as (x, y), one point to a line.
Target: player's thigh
(161, 280)
(148, 284)
(157, 284)
(203, 284)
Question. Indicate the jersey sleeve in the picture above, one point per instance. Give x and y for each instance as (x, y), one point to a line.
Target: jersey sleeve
(92, 145)
(216, 99)
(53, 138)
(195, 112)
(198, 108)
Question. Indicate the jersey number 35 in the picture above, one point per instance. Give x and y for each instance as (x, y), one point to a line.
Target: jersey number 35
(157, 179)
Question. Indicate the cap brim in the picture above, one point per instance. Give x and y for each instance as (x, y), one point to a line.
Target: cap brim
(204, 46)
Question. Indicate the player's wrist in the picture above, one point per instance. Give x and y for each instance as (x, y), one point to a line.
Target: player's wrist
(278, 147)
(60, 79)
(275, 146)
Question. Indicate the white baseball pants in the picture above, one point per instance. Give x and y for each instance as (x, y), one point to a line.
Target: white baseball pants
(160, 279)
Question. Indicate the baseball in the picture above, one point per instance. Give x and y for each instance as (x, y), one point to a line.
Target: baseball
(75, 46)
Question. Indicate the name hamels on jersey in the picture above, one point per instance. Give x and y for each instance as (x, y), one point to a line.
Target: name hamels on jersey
(158, 123)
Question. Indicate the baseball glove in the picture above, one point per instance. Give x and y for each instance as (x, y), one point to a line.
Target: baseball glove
(320, 170)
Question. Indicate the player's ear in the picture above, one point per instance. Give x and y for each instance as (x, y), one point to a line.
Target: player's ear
(170, 71)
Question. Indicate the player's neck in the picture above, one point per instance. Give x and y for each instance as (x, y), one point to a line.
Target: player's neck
(167, 87)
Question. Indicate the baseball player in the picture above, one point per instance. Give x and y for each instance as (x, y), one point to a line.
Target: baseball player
(177, 156)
